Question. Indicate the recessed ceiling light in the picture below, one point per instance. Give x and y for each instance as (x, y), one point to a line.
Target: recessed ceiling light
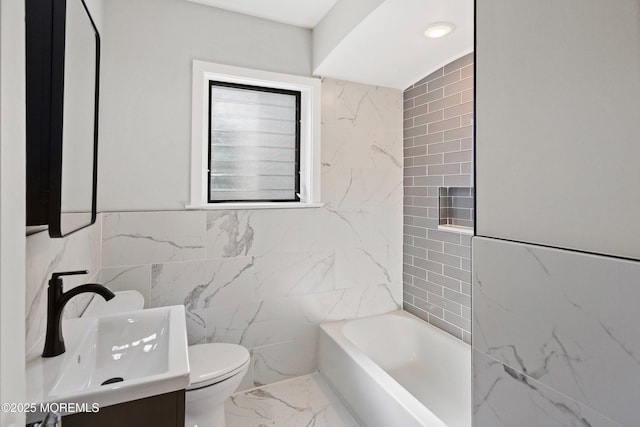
(441, 29)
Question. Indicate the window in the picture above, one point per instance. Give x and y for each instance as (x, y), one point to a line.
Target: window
(254, 143)
(255, 139)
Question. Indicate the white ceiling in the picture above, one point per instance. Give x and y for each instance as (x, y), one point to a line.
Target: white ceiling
(388, 47)
(385, 47)
(301, 13)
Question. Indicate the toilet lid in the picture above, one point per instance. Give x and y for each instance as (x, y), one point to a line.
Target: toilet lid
(212, 362)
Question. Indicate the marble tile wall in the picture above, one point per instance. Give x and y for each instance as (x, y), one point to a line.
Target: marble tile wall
(266, 278)
(44, 256)
(555, 337)
(438, 115)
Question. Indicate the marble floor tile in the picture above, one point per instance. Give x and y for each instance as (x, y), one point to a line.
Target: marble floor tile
(301, 401)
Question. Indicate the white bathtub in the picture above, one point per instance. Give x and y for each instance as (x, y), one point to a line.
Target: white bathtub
(395, 370)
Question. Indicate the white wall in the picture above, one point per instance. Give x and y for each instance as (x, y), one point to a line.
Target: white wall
(12, 210)
(266, 278)
(281, 271)
(44, 256)
(146, 90)
(79, 104)
(343, 18)
(557, 123)
(557, 106)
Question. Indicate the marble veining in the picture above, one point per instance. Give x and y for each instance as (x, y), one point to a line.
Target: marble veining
(135, 277)
(505, 397)
(233, 231)
(296, 274)
(564, 319)
(285, 360)
(266, 278)
(354, 105)
(261, 278)
(385, 153)
(361, 189)
(148, 237)
(303, 401)
(361, 267)
(200, 284)
(45, 256)
(196, 326)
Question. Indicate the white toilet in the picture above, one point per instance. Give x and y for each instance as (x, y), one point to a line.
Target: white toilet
(216, 372)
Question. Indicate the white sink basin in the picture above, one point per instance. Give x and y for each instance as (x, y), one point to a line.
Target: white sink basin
(147, 349)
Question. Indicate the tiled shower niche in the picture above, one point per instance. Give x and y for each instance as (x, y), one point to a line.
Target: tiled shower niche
(455, 206)
(438, 152)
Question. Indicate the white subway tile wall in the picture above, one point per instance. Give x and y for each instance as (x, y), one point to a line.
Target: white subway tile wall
(438, 114)
(267, 278)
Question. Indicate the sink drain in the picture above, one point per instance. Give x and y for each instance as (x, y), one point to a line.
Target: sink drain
(113, 380)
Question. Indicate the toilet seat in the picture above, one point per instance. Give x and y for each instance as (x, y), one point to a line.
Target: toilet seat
(212, 363)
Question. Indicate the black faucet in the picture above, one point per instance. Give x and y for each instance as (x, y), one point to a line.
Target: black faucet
(54, 343)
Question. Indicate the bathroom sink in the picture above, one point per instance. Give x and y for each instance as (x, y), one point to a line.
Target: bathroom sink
(115, 358)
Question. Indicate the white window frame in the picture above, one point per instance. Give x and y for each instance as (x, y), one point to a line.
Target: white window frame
(310, 105)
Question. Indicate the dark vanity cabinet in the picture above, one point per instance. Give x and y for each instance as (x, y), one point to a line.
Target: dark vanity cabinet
(164, 410)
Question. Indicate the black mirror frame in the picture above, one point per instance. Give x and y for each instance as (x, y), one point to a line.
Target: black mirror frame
(57, 119)
(46, 26)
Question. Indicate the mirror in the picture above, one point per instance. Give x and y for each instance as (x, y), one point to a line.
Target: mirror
(79, 129)
(63, 61)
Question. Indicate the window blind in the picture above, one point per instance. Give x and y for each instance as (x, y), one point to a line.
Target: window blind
(254, 143)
